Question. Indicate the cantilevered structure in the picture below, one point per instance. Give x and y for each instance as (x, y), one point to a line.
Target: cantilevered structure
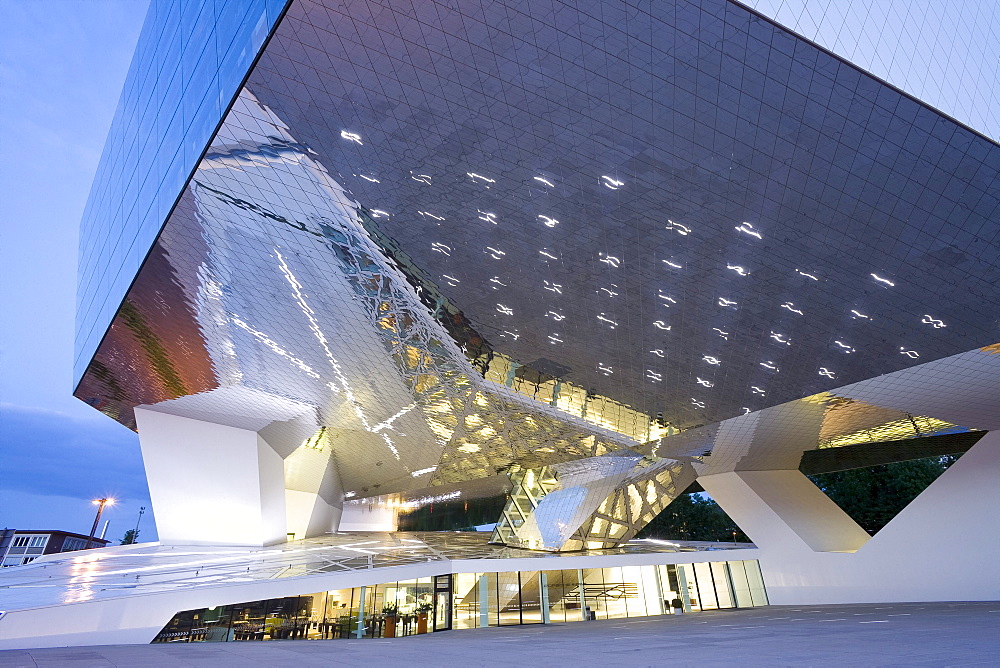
(598, 252)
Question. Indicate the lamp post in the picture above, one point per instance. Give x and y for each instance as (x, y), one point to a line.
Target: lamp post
(135, 532)
(100, 503)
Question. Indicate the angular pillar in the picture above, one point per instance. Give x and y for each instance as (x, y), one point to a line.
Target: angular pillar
(313, 495)
(211, 483)
(785, 510)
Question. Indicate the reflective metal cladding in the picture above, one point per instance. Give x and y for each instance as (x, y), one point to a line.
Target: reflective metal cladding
(541, 240)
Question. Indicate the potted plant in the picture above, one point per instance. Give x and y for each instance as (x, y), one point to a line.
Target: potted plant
(422, 611)
(390, 611)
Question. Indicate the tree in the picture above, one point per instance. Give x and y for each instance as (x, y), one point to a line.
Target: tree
(131, 536)
(873, 496)
(693, 517)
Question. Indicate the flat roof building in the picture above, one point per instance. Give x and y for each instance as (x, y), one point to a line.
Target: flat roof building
(22, 546)
(344, 257)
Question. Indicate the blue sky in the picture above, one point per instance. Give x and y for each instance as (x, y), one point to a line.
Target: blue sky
(62, 66)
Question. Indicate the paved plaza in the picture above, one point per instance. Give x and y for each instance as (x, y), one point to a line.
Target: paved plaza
(933, 634)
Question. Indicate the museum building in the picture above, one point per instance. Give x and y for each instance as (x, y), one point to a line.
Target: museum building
(341, 259)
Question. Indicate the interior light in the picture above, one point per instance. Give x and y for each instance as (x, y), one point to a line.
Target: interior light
(662, 325)
(738, 269)
(545, 181)
(791, 307)
(823, 371)
(612, 183)
(549, 222)
(809, 276)
(934, 322)
(672, 264)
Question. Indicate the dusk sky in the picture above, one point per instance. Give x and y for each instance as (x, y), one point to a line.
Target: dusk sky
(62, 66)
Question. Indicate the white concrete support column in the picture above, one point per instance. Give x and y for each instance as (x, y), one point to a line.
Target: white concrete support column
(211, 483)
(313, 494)
(941, 547)
(784, 510)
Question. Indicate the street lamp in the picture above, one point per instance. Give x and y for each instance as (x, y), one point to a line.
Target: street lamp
(100, 503)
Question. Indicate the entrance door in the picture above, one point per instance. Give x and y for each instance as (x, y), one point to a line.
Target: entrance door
(442, 602)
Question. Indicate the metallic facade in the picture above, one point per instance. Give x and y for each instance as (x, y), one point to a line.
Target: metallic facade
(446, 244)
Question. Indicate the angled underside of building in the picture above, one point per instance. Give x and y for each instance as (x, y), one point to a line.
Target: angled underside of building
(587, 254)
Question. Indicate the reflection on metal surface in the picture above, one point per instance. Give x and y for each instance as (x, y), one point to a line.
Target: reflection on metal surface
(393, 266)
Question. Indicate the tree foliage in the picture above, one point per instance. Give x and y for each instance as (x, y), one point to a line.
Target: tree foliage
(693, 517)
(130, 537)
(873, 496)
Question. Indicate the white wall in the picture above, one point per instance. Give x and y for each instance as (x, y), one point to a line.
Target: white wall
(211, 484)
(944, 546)
(367, 517)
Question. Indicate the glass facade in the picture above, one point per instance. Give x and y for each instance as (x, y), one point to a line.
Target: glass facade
(475, 600)
(189, 64)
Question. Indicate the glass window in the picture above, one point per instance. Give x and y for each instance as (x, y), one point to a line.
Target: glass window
(723, 586)
(741, 586)
(465, 603)
(531, 597)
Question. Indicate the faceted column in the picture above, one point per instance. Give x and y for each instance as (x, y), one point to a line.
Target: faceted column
(784, 509)
(211, 483)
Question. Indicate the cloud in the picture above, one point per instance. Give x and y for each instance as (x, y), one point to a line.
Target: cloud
(44, 452)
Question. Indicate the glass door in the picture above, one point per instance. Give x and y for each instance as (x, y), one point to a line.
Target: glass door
(442, 602)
